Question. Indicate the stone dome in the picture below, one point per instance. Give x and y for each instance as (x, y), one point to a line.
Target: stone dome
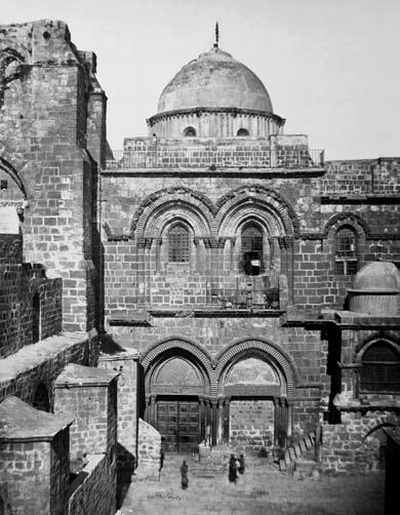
(376, 290)
(215, 80)
(377, 276)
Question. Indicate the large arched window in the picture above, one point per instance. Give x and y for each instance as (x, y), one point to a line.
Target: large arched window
(346, 251)
(252, 249)
(380, 368)
(178, 244)
(189, 132)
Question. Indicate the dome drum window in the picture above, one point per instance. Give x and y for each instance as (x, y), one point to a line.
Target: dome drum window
(242, 133)
(178, 244)
(346, 262)
(189, 132)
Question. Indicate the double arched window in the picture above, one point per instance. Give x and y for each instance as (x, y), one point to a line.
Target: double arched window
(380, 368)
(252, 248)
(178, 244)
(346, 251)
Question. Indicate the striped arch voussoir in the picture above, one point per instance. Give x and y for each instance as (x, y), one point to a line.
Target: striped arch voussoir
(177, 343)
(197, 201)
(340, 219)
(269, 349)
(263, 196)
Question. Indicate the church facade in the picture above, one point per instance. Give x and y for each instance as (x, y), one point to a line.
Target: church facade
(244, 290)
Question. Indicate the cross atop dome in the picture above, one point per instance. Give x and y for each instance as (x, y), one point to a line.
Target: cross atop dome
(216, 44)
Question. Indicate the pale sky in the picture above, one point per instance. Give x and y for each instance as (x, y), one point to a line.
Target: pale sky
(331, 67)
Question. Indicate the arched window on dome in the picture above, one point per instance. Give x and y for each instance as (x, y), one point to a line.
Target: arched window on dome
(252, 249)
(242, 133)
(189, 132)
(178, 244)
(380, 368)
(346, 259)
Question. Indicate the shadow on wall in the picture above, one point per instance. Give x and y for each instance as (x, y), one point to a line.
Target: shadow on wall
(125, 468)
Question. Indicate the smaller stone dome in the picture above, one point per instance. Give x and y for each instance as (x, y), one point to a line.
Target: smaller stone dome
(376, 290)
(377, 275)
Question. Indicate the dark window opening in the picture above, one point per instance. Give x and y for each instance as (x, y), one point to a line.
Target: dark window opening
(346, 262)
(178, 244)
(3, 184)
(189, 132)
(380, 370)
(41, 399)
(252, 249)
(242, 132)
(36, 318)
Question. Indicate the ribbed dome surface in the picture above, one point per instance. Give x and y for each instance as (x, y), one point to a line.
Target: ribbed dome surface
(377, 275)
(216, 80)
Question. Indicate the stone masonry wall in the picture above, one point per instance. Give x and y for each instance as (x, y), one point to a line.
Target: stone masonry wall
(19, 283)
(136, 273)
(355, 444)
(251, 424)
(43, 127)
(95, 417)
(21, 373)
(93, 491)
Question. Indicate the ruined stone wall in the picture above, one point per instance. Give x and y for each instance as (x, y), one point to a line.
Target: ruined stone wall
(44, 126)
(20, 282)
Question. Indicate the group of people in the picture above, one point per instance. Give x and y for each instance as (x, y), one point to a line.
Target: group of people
(236, 465)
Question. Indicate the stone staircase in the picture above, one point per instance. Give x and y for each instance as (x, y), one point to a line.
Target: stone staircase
(300, 459)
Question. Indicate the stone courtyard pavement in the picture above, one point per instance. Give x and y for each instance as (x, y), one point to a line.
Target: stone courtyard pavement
(261, 490)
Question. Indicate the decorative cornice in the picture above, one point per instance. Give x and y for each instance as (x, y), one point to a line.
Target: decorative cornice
(199, 111)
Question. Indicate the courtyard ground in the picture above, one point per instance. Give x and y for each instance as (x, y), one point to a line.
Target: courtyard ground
(261, 490)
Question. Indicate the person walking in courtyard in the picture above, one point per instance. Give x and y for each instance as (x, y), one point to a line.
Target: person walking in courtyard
(242, 464)
(184, 475)
(232, 469)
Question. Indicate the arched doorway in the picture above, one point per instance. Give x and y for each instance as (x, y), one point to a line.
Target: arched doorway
(252, 385)
(255, 381)
(177, 388)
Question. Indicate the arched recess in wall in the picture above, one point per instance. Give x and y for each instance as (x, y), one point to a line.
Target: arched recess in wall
(41, 399)
(162, 211)
(177, 382)
(346, 235)
(256, 382)
(379, 366)
(277, 223)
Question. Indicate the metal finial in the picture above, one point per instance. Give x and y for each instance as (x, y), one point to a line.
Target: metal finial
(216, 35)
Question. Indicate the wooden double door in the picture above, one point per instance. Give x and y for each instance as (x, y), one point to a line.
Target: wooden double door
(178, 421)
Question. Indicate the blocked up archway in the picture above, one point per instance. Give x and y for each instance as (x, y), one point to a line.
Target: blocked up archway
(255, 378)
